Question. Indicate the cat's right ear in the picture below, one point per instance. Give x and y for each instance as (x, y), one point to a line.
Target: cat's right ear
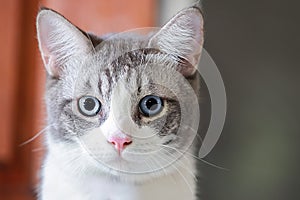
(183, 38)
(60, 42)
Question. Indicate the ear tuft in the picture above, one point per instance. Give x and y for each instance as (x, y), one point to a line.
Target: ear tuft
(59, 41)
(182, 37)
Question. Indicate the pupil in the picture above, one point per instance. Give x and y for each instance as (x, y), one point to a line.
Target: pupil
(151, 104)
(89, 104)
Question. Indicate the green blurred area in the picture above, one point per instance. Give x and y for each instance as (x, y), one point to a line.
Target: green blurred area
(255, 44)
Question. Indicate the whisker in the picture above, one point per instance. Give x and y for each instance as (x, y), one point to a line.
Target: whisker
(38, 149)
(182, 164)
(145, 161)
(153, 163)
(35, 136)
(165, 173)
(195, 157)
(193, 130)
(184, 178)
(185, 168)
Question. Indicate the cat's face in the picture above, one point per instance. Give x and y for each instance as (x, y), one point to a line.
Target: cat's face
(126, 104)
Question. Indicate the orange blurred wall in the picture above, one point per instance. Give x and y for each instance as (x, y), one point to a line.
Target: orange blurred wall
(105, 16)
(22, 77)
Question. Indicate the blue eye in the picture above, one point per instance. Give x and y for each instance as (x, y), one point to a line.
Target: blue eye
(89, 106)
(151, 105)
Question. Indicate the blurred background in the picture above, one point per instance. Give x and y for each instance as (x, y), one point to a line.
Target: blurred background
(254, 43)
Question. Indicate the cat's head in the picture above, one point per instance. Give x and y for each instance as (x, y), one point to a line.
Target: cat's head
(125, 103)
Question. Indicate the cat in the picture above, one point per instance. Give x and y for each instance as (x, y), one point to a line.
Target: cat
(122, 110)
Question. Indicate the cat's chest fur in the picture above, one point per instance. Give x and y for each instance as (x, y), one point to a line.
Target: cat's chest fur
(60, 185)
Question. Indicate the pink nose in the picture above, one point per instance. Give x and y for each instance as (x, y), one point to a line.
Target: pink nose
(120, 142)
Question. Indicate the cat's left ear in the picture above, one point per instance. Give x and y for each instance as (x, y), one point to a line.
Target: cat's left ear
(60, 42)
(182, 37)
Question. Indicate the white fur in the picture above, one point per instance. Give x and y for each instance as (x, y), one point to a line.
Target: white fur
(59, 184)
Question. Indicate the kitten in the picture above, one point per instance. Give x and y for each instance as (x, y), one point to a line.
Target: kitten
(122, 110)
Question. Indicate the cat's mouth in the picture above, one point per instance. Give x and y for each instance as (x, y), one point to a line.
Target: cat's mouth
(138, 163)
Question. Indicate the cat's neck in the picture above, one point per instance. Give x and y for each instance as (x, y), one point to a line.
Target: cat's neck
(178, 185)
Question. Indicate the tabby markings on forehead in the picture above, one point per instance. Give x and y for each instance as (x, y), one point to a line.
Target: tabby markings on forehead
(88, 84)
(138, 57)
(121, 66)
(133, 58)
